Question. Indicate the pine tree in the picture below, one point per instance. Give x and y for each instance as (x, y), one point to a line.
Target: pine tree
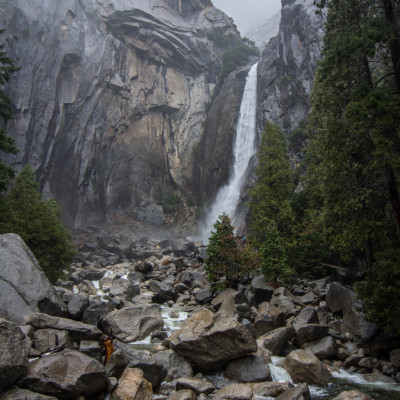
(7, 67)
(39, 224)
(270, 196)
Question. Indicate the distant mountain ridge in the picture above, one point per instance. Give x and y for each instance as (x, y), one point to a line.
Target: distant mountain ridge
(261, 34)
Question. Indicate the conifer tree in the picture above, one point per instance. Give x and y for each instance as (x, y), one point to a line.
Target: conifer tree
(270, 196)
(7, 68)
(39, 224)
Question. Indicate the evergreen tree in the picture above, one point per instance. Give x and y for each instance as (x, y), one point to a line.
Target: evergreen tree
(38, 223)
(354, 148)
(7, 67)
(270, 196)
(274, 264)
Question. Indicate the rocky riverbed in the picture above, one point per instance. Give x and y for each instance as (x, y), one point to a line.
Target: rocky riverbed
(172, 337)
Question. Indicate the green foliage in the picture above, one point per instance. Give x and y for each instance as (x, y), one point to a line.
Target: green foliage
(228, 259)
(274, 264)
(190, 201)
(235, 58)
(171, 204)
(7, 68)
(38, 222)
(270, 196)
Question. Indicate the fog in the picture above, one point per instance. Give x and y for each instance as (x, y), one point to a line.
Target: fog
(247, 13)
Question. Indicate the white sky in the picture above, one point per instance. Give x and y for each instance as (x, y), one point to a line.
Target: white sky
(247, 13)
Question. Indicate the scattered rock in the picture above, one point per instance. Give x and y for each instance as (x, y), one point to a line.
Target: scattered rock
(300, 392)
(235, 391)
(132, 386)
(185, 394)
(46, 339)
(196, 385)
(23, 394)
(352, 395)
(248, 369)
(277, 340)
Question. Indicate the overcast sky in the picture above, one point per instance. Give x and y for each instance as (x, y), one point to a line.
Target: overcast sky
(247, 13)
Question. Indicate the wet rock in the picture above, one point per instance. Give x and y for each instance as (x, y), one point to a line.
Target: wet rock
(340, 298)
(352, 395)
(24, 287)
(14, 352)
(209, 340)
(270, 389)
(248, 369)
(66, 374)
(23, 394)
(196, 385)
(378, 377)
(268, 318)
(324, 348)
(306, 367)
(46, 339)
(133, 323)
(174, 363)
(78, 330)
(277, 340)
(300, 392)
(132, 386)
(235, 391)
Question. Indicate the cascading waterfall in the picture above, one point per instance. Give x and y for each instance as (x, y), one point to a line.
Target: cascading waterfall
(228, 196)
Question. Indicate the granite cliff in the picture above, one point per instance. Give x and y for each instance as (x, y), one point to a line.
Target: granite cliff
(111, 97)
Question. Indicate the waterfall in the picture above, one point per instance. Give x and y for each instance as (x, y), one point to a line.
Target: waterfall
(244, 148)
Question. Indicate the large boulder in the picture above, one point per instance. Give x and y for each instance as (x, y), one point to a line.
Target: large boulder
(46, 339)
(323, 348)
(268, 318)
(260, 291)
(300, 392)
(132, 386)
(276, 340)
(24, 287)
(209, 340)
(67, 375)
(340, 298)
(175, 364)
(78, 330)
(310, 332)
(308, 315)
(14, 352)
(306, 367)
(352, 395)
(270, 389)
(248, 369)
(286, 301)
(133, 323)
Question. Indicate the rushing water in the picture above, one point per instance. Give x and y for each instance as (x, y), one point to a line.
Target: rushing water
(244, 148)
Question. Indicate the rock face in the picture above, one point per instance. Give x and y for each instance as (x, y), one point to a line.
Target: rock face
(209, 340)
(14, 352)
(111, 98)
(24, 287)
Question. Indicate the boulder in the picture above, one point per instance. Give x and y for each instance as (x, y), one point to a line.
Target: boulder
(14, 352)
(46, 339)
(352, 395)
(24, 287)
(66, 374)
(248, 369)
(310, 332)
(78, 330)
(340, 298)
(95, 313)
(300, 392)
(116, 364)
(174, 363)
(261, 290)
(23, 394)
(268, 318)
(196, 385)
(308, 315)
(209, 340)
(91, 348)
(193, 279)
(132, 386)
(324, 348)
(306, 367)
(163, 292)
(153, 371)
(77, 305)
(238, 298)
(133, 323)
(203, 295)
(185, 394)
(235, 391)
(277, 340)
(286, 301)
(270, 389)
